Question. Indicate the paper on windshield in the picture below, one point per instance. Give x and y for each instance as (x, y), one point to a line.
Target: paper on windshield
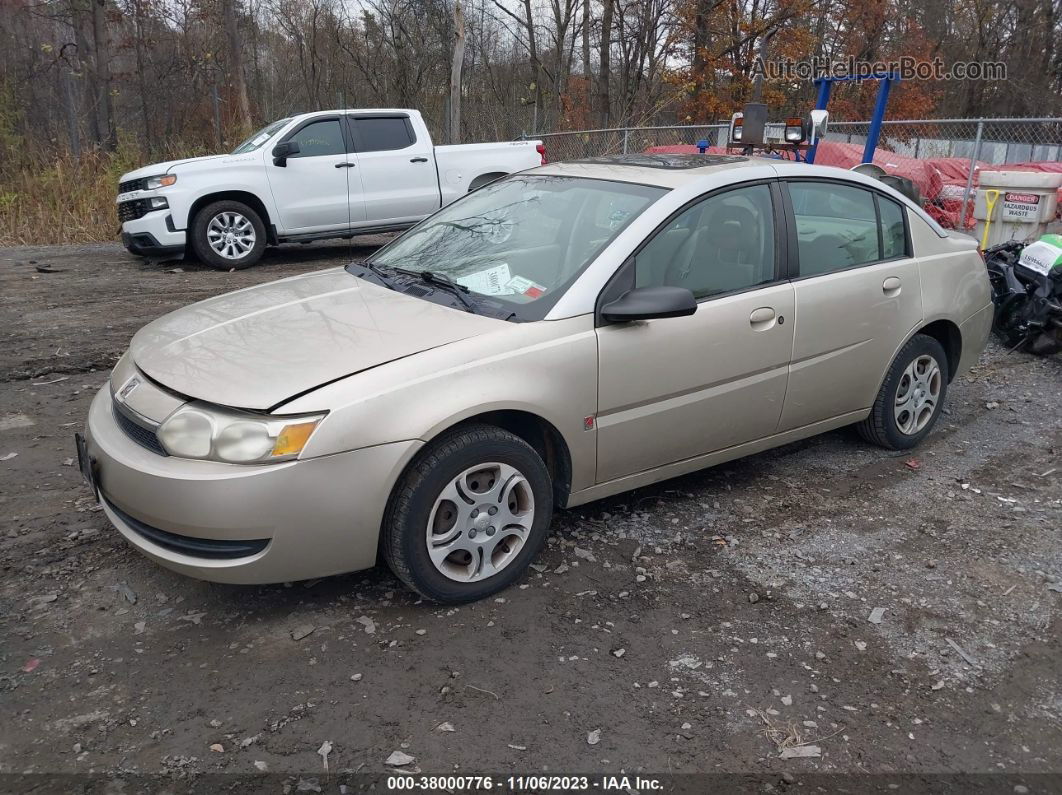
(492, 281)
(500, 281)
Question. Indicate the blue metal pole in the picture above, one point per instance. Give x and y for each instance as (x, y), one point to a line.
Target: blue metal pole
(875, 122)
(820, 104)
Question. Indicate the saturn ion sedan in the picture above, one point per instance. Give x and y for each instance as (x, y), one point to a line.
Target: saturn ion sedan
(558, 336)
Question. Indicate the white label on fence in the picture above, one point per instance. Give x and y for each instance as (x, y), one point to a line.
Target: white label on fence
(1020, 206)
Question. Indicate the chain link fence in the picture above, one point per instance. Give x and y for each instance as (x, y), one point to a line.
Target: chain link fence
(955, 148)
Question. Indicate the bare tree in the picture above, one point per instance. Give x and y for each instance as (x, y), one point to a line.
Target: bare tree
(455, 73)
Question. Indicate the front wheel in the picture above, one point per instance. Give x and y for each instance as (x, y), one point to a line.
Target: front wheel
(911, 398)
(469, 515)
(227, 235)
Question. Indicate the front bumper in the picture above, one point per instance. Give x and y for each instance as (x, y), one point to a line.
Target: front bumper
(153, 235)
(290, 521)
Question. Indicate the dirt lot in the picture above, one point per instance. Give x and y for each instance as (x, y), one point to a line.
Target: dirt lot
(695, 626)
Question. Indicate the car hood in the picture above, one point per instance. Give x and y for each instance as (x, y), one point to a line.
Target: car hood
(163, 168)
(258, 347)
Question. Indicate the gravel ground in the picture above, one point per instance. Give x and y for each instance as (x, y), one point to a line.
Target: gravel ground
(898, 612)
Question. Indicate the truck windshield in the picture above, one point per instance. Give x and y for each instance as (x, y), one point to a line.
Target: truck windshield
(522, 240)
(260, 137)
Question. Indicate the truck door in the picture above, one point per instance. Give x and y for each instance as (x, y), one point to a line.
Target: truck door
(397, 169)
(311, 190)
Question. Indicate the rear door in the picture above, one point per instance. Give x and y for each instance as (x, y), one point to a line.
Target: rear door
(675, 388)
(311, 190)
(858, 296)
(397, 169)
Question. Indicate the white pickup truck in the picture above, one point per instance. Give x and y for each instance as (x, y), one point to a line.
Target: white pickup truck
(309, 177)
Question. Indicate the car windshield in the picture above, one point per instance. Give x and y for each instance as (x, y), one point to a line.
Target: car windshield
(260, 137)
(522, 240)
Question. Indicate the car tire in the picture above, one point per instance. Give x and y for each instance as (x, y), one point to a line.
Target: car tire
(443, 548)
(228, 235)
(911, 398)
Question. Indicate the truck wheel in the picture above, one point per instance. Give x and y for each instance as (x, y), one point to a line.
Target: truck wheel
(228, 234)
(469, 515)
(910, 400)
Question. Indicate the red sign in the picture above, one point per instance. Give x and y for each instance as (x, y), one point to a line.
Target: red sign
(1022, 198)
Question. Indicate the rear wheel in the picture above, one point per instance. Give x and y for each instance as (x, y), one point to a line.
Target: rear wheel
(469, 515)
(228, 234)
(911, 398)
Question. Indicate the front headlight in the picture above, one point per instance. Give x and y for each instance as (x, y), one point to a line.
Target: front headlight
(199, 431)
(161, 181)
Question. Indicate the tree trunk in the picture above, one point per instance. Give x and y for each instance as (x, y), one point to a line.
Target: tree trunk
(102, 71)
(603, 99)
(455, 73)
(237, 82)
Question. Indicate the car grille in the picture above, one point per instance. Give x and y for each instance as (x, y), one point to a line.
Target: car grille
(145, 437)
(216, 549)
(130, 211)
(130, 185)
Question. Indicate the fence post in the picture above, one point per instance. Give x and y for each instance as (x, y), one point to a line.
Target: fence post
(969, 177)
(626, 132)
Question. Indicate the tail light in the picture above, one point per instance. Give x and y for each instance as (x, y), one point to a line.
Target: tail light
(541, 149)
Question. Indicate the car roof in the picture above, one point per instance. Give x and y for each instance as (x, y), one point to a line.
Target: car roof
(663, 170)
(679, 171)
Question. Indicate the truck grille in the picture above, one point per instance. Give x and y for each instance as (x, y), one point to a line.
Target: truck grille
(129, 185)
(130, 211)
(145, 437)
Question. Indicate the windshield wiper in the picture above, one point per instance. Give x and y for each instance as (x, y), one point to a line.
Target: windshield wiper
(385, 278)
(437, 279)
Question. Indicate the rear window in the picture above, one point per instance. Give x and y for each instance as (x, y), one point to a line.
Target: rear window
(383, 134)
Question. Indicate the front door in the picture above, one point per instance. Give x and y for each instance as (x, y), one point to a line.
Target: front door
(312, 190)
(858, 297)
(675, 388)
(397, 170)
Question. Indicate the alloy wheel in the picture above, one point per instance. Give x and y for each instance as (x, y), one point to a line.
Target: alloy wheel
(231, 235)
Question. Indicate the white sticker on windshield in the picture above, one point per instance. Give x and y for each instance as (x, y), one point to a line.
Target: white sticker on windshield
(261, 139)
(492, 281)
(524, 286)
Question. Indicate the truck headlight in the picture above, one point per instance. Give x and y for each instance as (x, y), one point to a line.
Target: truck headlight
(161, 181)
(207, 432)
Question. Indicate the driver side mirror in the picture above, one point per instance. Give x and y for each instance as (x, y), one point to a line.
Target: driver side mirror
(649, 303)
(284, 150)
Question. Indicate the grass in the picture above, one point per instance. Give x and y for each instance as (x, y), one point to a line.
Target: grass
(59, 198)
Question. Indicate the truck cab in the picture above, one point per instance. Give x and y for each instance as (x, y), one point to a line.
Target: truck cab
(308, 177)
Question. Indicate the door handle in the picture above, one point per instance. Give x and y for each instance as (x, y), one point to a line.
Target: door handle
(762, 318)
(344, 165)
(418, 160)
(891, 286)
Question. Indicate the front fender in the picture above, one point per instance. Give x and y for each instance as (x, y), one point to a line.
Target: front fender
(548, 369)
(195, 181)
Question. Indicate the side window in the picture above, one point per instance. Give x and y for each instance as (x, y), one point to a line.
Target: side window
(320, 138)
(383, 134)
(723, 243)
(837, 226)
(893, 232)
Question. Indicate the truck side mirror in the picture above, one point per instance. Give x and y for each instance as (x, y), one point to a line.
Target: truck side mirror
(284, 150)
